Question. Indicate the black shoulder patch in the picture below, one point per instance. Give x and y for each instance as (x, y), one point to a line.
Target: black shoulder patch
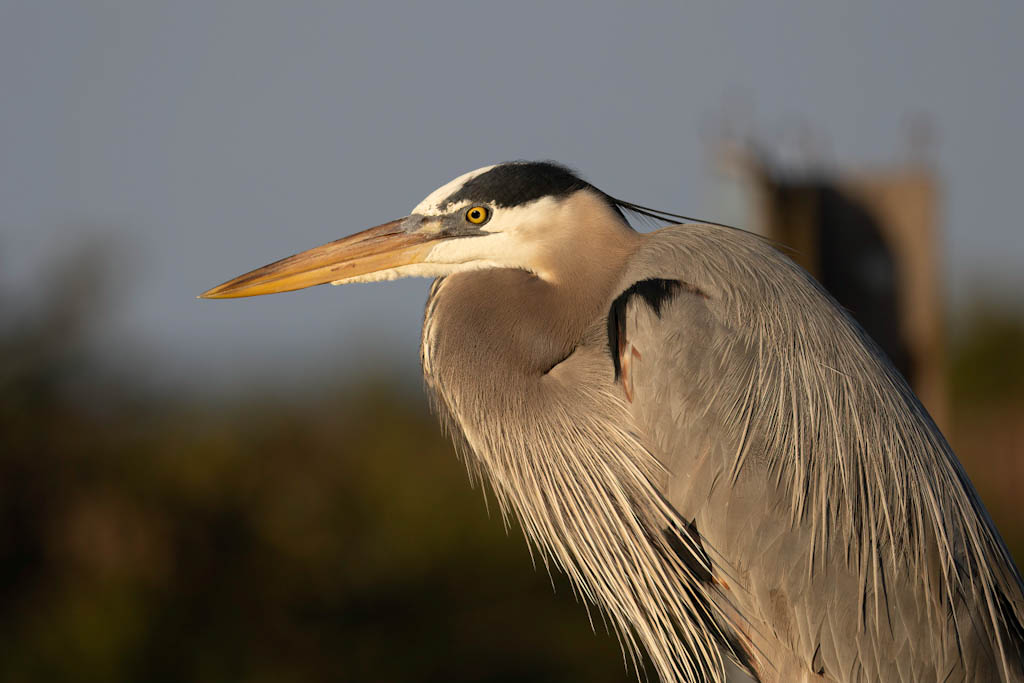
(655, 292)
(515, 183)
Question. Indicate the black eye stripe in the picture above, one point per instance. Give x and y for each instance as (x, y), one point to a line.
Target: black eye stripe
(516, 183)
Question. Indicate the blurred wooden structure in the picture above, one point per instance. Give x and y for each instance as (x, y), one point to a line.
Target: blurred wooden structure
(871, 238)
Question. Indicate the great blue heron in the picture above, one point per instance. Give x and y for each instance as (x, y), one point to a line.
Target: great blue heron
(687, 424)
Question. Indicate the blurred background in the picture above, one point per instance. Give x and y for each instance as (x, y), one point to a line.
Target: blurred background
(254, 490)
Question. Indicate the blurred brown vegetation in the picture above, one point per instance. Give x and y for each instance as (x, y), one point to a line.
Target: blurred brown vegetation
(987, 385)
(334, 537)
(258, 538)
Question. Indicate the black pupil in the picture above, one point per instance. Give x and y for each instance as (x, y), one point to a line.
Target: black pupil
(475, 214)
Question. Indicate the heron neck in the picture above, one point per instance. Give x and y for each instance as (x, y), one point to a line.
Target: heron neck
(513, 323)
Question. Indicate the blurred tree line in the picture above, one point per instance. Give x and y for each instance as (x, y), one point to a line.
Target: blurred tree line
(332, 537)
(260, 538)
(987, 386)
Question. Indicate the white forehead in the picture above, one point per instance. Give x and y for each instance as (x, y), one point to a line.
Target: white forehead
(432, 204)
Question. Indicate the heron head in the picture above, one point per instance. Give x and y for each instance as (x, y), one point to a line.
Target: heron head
(530, 216)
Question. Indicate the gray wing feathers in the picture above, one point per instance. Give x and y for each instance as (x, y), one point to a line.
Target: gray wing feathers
(847, 533)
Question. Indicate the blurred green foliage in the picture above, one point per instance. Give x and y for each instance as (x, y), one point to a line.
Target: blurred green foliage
(260, 538)
(987, 397)
(987, 368)
(333, 537)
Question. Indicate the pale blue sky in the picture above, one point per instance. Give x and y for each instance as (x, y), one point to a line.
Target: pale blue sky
(206, 138)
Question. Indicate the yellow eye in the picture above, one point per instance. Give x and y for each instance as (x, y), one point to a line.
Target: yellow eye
(477, 215)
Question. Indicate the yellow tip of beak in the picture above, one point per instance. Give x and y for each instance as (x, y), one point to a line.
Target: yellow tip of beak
(381, 248)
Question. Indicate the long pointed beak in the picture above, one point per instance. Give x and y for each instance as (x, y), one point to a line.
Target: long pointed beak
(380, 248)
